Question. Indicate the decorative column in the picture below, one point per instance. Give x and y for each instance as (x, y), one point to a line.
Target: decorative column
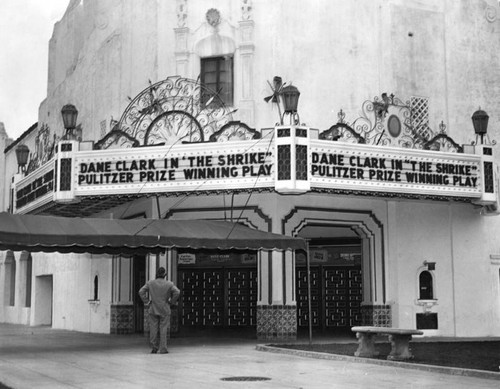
(181, 40)
(276, 305)
(246, 48)
(122, 307)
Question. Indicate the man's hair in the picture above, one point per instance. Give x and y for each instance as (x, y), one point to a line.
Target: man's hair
(160, 273)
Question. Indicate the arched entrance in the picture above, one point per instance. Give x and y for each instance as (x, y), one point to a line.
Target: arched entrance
(336, 279)
(346, 249)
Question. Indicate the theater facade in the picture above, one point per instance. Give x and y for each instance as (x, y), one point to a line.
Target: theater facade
(399, 210)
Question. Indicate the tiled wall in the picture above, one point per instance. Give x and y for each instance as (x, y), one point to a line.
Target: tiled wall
(122, 319)
(376, 315)
(276, 322)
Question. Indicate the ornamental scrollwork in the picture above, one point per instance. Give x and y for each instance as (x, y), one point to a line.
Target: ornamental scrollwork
(388, 121)
(234, 130)
(169, 112)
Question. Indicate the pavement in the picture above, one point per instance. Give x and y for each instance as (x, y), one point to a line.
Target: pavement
(42, 357)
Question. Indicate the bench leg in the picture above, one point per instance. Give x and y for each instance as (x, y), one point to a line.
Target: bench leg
(366, 345)
(400, 348)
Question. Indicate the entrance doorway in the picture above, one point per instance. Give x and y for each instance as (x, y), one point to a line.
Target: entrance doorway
(139, 279)
(43, 300)
(218, 290)
(336, 286)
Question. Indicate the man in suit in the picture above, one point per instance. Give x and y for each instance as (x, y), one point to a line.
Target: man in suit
(163, 294)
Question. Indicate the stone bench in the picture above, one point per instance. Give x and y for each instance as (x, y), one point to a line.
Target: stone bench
(399, 338)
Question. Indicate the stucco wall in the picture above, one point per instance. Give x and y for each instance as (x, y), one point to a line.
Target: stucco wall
(338, 53)
(73, 285)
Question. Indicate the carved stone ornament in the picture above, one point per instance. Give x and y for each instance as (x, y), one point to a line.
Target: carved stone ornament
(213, 17)
(492, 11)
(246, 9)
(181, 13)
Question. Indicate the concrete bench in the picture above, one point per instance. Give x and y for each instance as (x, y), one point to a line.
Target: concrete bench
(399, 338)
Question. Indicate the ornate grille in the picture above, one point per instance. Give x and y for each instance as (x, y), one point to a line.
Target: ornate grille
(419, 117)
(65, 184)
(488, 177)
(301, 162)
(284, 162)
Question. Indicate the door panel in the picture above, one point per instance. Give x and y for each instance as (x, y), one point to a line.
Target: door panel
(218, 297)
(335, 297)
(302, 306)
(241, 297)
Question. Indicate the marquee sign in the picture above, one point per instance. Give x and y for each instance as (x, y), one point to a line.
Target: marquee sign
(403, 171)
(186, 168)
(293, 162)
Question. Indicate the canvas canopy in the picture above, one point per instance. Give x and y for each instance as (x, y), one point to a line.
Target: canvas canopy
(112, 236)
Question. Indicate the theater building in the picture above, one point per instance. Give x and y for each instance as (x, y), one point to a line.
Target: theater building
(187, 110)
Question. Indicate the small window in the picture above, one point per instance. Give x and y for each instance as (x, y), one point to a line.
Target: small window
(96, 288)
(217, 76)
(29, 274)
(10, 279)
(426, 291)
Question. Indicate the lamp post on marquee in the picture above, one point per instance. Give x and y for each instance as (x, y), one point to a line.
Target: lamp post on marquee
(22, 154)
(480, 122)
(69, 115)
(290, 97)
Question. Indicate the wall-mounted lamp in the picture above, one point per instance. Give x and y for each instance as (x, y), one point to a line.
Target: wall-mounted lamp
(69, 115)
(22, 154)
(430, 265)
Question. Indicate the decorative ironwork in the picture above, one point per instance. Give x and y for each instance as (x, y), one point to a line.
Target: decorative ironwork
(342, 131)
(234, 130)
(44, 148)
(169, 112)
(442, 142)
(387, 121)
(116, 138)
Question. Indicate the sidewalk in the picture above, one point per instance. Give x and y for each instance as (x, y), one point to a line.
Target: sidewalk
(37, 357)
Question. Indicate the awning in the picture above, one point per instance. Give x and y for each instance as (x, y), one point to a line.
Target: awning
(112, 236)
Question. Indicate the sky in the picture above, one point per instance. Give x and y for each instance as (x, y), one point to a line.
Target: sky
(25, 30)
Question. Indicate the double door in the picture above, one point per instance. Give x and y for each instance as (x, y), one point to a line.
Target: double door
(222, 297)
(335, 297)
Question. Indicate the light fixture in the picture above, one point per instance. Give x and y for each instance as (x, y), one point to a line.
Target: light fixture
(290, 98)
(22, 154)
(480, 122)
(69, 115)
(430, 265)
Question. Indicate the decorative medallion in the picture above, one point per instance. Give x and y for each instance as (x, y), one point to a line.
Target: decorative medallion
(213, 17)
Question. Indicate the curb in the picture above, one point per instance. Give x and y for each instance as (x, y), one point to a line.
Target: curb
(415, 366)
